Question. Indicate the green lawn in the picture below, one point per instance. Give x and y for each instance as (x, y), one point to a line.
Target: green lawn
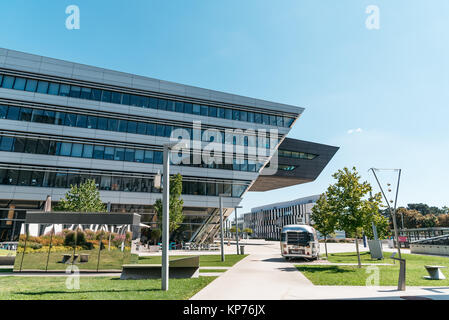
(212, 270)
(212, 260)
(388, 275)
(4, 252)
(98, 288)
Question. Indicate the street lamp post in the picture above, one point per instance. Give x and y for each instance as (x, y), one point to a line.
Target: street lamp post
(165, 211)
(220, 198)
(237, 229)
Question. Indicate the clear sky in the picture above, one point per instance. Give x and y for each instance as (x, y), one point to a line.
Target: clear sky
(392, 83)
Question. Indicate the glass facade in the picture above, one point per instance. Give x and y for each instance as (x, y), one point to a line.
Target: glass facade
(296, 155)
(74, 91)
(111, 182)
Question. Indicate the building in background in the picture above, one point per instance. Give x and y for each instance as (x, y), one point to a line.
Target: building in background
(62, 123)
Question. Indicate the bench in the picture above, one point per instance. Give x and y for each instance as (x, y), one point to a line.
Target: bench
(66, 258)
(178, 268)
(7, 260)
(84, 257)
(435, 272)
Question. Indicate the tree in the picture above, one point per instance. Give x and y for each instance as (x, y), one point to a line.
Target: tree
(248, 231)
(82, 198)
(348, 200)
(232, 230)
(155, 235)
(175, 203)
(324, 219)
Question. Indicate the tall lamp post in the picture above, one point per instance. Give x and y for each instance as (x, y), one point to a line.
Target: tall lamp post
(220, 198)
(165, 210)
(237, 229)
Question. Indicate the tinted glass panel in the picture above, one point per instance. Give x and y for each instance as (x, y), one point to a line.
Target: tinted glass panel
(25, 114)
(106, 96)
(129, 154)
(42, 86)
(88, 151)
(85, 93)
(66, 149)
(6, 143)
(31, 85)
(102, 124)
(64, 90)
(139, 155)
(119, 154)
(77, 150)
(92, 122)
(141, 128)
(3, 111)
(81, 121)
(8, 82)
(96, 94)
(188, 108)
(116, 97)
(53, 88)
(98, 152)
(13, 113)
(70, 120)
(109, 153)
(132, 127)
(196, 109)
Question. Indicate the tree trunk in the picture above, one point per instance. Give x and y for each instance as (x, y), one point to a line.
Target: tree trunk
(358, 252)
(325, 245)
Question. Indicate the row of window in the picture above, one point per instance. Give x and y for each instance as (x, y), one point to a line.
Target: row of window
(60, 89)
(49, 179)
(82, 150)
(295, 154)
(121, 125)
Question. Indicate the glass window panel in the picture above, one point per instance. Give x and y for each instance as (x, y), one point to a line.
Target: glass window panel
(112, 124)
(188, 108)
(52, 148)
(144, 102)
(168, 131)
(160, 130)
(75, 91)
(24, 178)
(6, 143)
(141, 128)
(265, 119)
(235, 114)
(92, 122)
(85, 93)
(42, 146)
(105, 183)
(73, 179)
(243, 116)
(109, 153)
(38, 115)
(134, 100)
(102, 124)
(221, 113)
(151, 129)
(139, 155)
(170, 105)
(19, 144)
(19, 84)
(49, 179)
(25, 114)
(98, 152)
(106, 95)
(116, 97)
(49, 116)
(179, 106)
(61, 180)
(158, 157)
(129, 154)
(212, 111)
(31, 146)
(119, 154)
(37, 178)
(196, 109)
(64, 90)
(122, 125)
(204, 110)
(53, 88)
(228, 114)
(258, 118)
(60, 118)
(77, 150)
(3, 111)
(81, 121)
(88, 151)
(66, 149)
(162, 104)
(153, 103)
(31, 85)
(70, 120)
(96, 94)
(132, 127)
(117, 184)
(288, 121)
(8, 82)
(13, 113)
(279, 121)
(148, 156)
(125, 98)
(250, 117)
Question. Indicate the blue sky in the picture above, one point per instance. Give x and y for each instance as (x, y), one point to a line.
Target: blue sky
(392, 83)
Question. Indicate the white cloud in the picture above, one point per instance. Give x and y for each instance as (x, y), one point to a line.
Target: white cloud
(358, 130)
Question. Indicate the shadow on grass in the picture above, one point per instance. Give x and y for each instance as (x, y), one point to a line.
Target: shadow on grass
(330, 269)
(85, 291)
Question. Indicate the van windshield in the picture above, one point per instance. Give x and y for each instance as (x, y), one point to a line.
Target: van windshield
(296, 238)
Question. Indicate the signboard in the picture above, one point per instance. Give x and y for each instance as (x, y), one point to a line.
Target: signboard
(402, 239)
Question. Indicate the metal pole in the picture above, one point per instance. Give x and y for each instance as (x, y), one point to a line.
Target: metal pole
(221, 229)
(236, 231)
(165, 219)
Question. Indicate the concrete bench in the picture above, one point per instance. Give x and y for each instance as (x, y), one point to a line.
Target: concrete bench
(84, 257)
(178, 268)
(435, 272)
(7, 260)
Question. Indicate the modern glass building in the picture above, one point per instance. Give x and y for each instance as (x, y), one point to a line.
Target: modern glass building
(62, 123)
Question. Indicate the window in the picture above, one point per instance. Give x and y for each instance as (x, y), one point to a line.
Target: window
(134, 100)
(13, 113)
(53, 88)
(228, 114)
(31, 146)
(158, 157)
(37, 178)
(8, 82)
(129, 154)
(88, 151)
(109, 153)
(106, 96)
(279, 121)
(251, 117)
(3, 111)
(92, 122)
(122, 125)
(204, 110)
(77, 150)
(102, 124)
(188, 108)
(24, 178)
(49, 116)
(235, 114)
(148, 156)
(64, 90)
(98, 152)
(75, 91)
(151, 129)
(221, 113)
(119, 154)
(212, 111)
(37, 115)
(132, 127)
(66, 149)
(160, 130)
(170, 105)
(243, 116)
(19, 84)
(105, 183)
(61, 180)
(179, 107)
(70, 120)
(141, 128)
(81, 121)
(25, 114)
(139, 155)
(31, 85)
(273, 121)
(42, 146)
(153, 103)
(116, 97)
(162, 104)
(85, 93)
(6, 143)
(60, 118)
(96, 94)
(52, 148)
(112, 124)
(196, 109)
(258, 118)
(19, 144)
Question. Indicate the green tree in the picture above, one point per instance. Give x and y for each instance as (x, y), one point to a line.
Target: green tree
(348, 199)
(155, 235)
(324, 219)
(248, 232)
(82, 198)
(175, 203)
(233, 230)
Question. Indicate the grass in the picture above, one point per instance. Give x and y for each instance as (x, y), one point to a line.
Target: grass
(212, 260)
(212, 270)
(4, 252)
(388, 275)
(98, 288)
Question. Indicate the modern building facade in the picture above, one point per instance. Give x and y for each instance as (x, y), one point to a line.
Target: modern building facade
(62, 123)
(267, 221)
